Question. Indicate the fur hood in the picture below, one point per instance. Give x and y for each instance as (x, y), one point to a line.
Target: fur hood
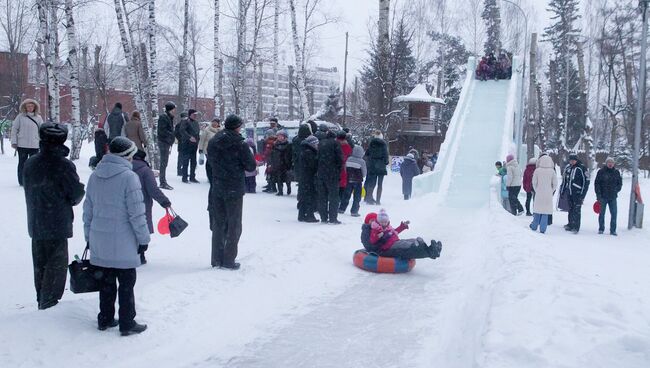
(23, 106)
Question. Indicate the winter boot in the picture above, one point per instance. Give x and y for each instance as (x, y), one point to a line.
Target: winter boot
(104, 327)
(310, 219)
(165, 186)
(435, 249)
(231, 266)
(136, 329)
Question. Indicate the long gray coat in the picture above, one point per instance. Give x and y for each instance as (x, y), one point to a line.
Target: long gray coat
(544, 185)
(114, 214)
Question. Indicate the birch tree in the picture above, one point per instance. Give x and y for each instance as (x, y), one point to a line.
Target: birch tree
(240, 63)
(217, 63)
(276, 47)
(54, 43)
(132, 71)
(300, 73)
(153, 71)
(73, 66)
(45, 40)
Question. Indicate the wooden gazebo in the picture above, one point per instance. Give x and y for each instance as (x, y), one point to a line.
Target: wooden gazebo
(418, 126)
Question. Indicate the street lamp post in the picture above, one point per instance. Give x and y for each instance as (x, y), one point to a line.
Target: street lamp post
(640, 104)
(520, 121)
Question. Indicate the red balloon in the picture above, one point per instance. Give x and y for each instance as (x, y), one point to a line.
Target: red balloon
(597, 207)
(163, 224)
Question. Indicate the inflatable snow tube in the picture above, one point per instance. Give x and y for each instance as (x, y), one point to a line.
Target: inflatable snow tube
(374, 263)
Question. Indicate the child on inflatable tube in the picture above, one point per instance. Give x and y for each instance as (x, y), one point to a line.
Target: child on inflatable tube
(378, 237)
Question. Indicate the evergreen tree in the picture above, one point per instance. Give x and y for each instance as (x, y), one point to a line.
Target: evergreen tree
(382, 84)
(450, 63)
(492, 16)
(563, 76)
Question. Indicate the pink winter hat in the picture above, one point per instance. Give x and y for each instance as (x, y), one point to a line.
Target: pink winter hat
(510, 157)
(382, 217)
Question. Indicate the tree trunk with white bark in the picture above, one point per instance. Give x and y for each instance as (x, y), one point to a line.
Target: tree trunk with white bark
(136, 86)
(240, 63)
(218, 87)
(300, 73)
(73, 64)
(276, 51)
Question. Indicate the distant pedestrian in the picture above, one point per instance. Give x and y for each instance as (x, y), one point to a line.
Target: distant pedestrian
(377, 158)
(165, 141)
(280, 163)
(251, 176)
(607, 185)
(115, 227)
(135, 132)
(52, 188)
(528, 183)
(230, 158)
(150, 190)
(304, 131)
(188, 145)
(206, 135)
(307, 194)
(575, 182)
(273, 127)
(544, 185)
(179, 148)
(408, 170)
(25, 133)
(346, 148)
(513, 184)
(330, 161)
(116, 122)
(356, 170)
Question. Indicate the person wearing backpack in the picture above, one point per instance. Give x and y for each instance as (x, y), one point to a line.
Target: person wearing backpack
(24, 133)
(116, 122)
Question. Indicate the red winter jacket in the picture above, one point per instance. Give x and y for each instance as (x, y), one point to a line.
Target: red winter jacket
(347, 152)
(378, 232)
(528, 178)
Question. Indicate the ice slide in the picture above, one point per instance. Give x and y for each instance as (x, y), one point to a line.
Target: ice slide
(480, 133)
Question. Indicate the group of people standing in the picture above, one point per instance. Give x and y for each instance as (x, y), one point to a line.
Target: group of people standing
(491, 67)
(540, 183)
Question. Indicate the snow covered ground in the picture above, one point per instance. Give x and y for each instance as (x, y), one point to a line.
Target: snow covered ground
(500, 295)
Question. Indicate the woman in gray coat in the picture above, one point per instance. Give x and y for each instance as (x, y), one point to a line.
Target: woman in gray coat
(115, 227)
(24, 133)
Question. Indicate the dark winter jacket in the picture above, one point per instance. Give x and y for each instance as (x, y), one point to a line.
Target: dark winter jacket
(304, 131)
(166, 129)
(608, 183)
(409, 169)
(280, 161)
(52, 188)
(330, 159)
(229, 157)
(528, 177)
(365, 239)
(355, 166)
(189, 129)
(150, 189)
(575, 180)
(377, 157)
(115, 123)
(308, 163)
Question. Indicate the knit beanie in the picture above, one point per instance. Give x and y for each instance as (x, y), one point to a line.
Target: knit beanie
(54, 134)
(532, 161)
(122, 147)
(312, 141)
(610, 159)
(382, 217)
(370, 218)
(169, 106)
(341, 135)
(410, 155)
(573, 157)
(284, 133)
(510, 157)
(233, 122)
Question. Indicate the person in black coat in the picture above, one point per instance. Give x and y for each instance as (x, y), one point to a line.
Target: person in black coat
(150, 190)
(115, 122)
(575, 183)
(330, 162)
(304, 131)
(280, 162)
(190, 133)
(607, 185)
(165, 141)
(408, 170)
(377, 158)
(307, 194)
(230, 158)
(52, 188)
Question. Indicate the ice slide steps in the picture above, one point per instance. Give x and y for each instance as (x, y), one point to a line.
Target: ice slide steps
(479, 133)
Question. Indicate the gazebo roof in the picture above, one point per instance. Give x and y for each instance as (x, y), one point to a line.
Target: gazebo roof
(419, 94)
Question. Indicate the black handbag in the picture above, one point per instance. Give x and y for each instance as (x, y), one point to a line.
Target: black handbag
(177, 225)
(84, 277)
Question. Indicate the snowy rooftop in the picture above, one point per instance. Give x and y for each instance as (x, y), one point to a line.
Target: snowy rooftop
(419, 94)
